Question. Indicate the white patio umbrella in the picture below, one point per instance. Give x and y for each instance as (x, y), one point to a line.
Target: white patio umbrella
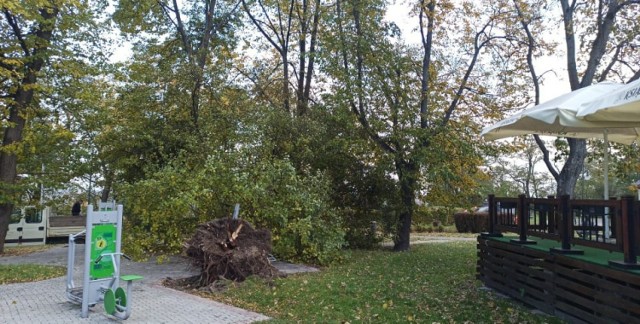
(622, 104)
(557, 117)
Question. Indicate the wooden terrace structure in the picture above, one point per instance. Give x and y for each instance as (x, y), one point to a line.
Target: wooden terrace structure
(559, 259)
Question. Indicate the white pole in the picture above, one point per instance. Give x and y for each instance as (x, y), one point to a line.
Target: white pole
(236, 211)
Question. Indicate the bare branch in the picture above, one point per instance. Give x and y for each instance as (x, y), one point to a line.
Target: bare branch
(463, 84)
(635, 76)
(426, 59)
(569, 36)
(259, 24)
(181, 30)
(11, 19)
(605, 24)
(609, 66)
(359, 108)
(546, 157)
(530, 49)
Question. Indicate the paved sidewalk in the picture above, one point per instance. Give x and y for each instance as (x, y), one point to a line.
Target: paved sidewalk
(45, 301)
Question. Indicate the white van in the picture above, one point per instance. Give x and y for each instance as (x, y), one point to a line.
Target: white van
(27, 227)
(32, 226)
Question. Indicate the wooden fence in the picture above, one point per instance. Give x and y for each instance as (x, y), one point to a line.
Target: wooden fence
(558, 280)
(559, 284)
(612, 225)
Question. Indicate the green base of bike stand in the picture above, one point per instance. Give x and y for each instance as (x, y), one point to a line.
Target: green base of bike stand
(116, 304)
(115, 301)
(110, 302)
(121, 297)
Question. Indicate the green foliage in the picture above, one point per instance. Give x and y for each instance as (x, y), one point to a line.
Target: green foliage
(158, 216)
(296, 209)
(467, 222)
(432, 283)
(11, 273)
(361, 186)
(453, 164)
(429, 215)
(164, 209)
(366, 229)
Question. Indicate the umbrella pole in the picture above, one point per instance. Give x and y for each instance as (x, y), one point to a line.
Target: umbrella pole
(606, 183)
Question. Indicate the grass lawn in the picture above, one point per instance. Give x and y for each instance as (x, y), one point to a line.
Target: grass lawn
(430, 283)
(27, 272)
(14, 273)
(22, 250)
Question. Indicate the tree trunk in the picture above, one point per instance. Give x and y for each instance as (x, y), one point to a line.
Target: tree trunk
(8, 159)
(5, 215)
(23, 97)
(108, 182)
(285, 81)
(572, 168)
(302, 47)
(407, 178)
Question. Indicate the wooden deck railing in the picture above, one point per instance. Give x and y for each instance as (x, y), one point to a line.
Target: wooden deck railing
(611, 225)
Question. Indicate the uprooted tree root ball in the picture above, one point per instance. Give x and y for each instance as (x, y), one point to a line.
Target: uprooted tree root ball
(229, 249)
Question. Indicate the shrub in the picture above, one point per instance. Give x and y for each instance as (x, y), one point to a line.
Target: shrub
(359, 232)
(420, 228)
(164, 209)
(467, 222)
(431, 215)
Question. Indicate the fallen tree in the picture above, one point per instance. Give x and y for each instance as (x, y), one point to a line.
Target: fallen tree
(230, 249)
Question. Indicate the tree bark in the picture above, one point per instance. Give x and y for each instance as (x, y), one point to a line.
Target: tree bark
(8, 159)
(5, 215)
(22, 99)
(572, 168)
(407, 173)
(306, 95)
(302, 47)
(108, 183)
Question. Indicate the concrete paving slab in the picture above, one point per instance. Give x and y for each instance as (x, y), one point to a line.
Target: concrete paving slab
(46, 302)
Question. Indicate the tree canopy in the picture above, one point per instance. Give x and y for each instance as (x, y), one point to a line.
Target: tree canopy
(317, 117)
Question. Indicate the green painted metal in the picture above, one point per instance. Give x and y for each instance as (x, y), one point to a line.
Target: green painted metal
(110, 302)
(102, 241)
(131, 277)
(121, 297)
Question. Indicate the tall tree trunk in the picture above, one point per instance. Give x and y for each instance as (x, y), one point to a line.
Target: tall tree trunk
(5, 215)
(108, 182)
(302, 55)
(407, 177)
(572, 168)
(285, 81)
(312, 52)
(22, 98)
(8, 159)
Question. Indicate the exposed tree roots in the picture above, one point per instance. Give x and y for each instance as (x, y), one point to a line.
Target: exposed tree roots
(228, 249)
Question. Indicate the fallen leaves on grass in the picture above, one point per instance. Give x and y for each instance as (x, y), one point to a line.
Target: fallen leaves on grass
(24, 250)
(16, 273)
(430, 283)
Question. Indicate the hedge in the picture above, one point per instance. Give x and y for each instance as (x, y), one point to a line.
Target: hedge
(469, 222)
